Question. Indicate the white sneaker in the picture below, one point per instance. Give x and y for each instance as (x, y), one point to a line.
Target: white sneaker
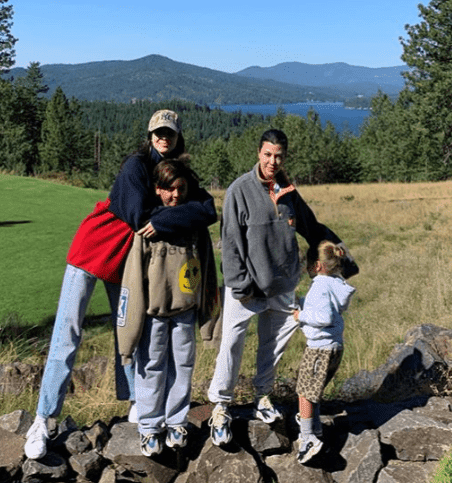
(176, 437)
(133, 416)
(37, 436)
(308, 447)
(265, 411)
(220, 431)
(150, 444)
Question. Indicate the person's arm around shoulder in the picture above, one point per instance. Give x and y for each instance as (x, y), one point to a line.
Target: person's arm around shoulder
(196, 213)
(130, 193)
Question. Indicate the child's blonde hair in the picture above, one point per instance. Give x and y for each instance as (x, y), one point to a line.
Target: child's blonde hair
(329, 254)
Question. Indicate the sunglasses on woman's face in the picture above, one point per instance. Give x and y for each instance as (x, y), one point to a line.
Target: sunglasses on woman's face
(164, 132)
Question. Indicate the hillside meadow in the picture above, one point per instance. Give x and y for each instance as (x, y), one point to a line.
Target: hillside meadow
(399, 234)
(38, 221)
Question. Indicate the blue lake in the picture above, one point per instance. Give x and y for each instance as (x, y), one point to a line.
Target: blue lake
(340, 117)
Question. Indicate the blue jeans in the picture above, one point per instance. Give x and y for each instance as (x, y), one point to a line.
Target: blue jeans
(76, 292)
(165, 362)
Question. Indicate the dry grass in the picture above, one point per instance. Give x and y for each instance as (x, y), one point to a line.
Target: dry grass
(400, 236)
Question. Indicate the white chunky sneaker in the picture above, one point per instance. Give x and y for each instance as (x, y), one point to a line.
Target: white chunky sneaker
(37, 436)
(176, 437)
(265, 411)
(219, 423)
(308, 447)
(150, 444)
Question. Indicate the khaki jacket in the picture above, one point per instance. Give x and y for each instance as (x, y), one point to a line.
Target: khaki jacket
(165, 279)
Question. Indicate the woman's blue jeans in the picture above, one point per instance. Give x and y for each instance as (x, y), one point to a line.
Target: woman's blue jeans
(76, 292)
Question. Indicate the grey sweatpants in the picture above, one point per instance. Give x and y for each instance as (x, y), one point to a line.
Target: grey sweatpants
(276, 325)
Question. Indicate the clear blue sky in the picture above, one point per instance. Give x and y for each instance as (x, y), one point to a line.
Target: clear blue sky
(227, 35)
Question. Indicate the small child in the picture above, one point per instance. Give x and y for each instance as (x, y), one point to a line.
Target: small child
(320, 320)
(161, 298)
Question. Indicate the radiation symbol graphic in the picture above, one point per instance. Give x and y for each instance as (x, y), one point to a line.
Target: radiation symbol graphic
(190, 276)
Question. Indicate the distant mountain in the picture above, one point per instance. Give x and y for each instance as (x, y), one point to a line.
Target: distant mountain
(157, 78)
(341, 77)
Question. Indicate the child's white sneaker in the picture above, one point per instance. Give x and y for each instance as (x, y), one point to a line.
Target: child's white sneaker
(37, 436)
(308, 447)
(176, 437)
(150, 444)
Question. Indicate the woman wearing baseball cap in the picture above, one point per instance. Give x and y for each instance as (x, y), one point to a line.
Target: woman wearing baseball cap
(98, 251)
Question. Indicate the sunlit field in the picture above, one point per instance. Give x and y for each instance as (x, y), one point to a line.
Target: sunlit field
(399, 235)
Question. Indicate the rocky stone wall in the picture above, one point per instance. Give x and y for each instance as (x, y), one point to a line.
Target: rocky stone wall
(392, 425)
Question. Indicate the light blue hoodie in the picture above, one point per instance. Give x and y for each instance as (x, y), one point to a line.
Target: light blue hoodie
(320, 318)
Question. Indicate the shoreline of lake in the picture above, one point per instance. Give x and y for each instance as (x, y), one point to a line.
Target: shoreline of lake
(343, 118)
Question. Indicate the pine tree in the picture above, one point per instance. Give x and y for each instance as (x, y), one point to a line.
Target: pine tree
(33, 80)
(429, 49)
(7, 41)
(56, 150)
(30, 111)
(384, 144)
(428, 52)
(14, 145)
(213, 166)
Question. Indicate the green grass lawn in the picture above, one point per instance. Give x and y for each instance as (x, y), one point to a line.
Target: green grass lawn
(37, 222)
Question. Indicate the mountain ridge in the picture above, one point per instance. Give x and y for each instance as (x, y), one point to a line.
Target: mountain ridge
(156, 78)
(337, 75)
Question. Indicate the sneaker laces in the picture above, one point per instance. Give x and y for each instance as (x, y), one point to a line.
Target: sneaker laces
(145, 438)
(219, 417)
(179, 429)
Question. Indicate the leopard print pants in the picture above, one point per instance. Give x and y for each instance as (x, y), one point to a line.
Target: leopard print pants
(317, 368)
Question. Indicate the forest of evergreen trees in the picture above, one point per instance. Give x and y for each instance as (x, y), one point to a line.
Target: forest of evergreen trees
(407, 139)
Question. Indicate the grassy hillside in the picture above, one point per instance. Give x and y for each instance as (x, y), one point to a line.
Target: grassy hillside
(38, 220)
